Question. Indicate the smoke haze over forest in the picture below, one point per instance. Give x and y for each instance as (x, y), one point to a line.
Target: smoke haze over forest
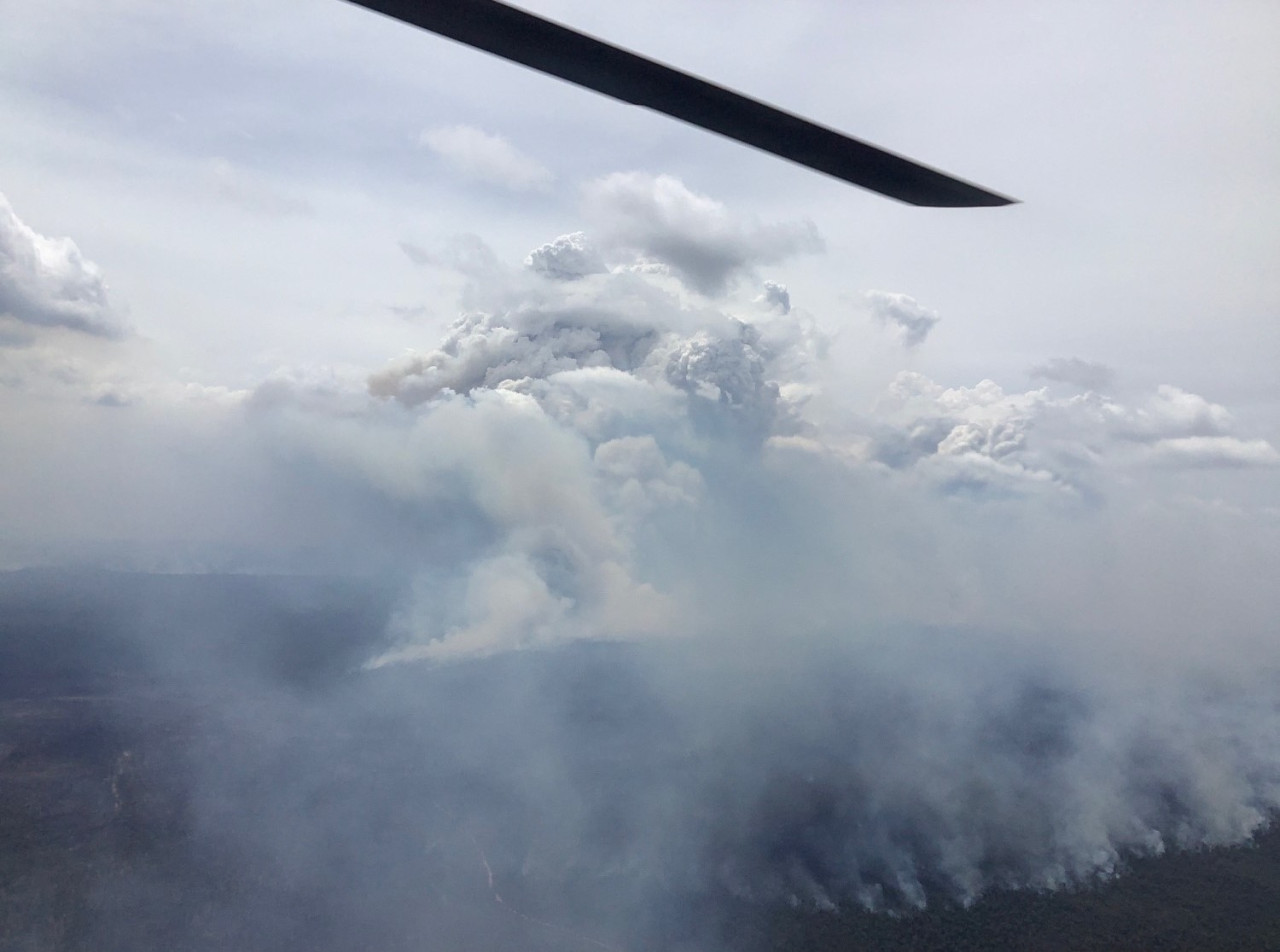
(636, 536)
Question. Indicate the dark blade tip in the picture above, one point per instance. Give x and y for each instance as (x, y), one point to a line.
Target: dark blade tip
(982, 199)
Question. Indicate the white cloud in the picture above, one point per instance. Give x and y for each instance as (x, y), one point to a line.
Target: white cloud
(1170, 413)
(47, 282)
(659, 218)
(982, 431)
(566, 258)
(1069, 439)
(487, 157)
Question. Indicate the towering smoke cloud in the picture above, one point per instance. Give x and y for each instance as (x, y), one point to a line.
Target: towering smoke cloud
(965, 638)
(872, 664)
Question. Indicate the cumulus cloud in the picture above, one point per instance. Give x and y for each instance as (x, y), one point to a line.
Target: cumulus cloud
(1169, 413)
(1085, 374)
(566, 258)
(965, 437)
(1035, 440)
(696, 237)
(909, 319)
(47, 282)
(486, 157)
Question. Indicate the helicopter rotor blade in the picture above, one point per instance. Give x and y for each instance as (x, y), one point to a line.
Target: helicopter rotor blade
(540, 44)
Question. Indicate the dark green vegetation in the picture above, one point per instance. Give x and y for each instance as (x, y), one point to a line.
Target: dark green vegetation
(100, 850)
(86, 803)
(1224, 898)
(224, 782)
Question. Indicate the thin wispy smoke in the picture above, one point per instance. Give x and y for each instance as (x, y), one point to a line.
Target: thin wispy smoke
(908, 317)
(487, 157)
(1085, 374)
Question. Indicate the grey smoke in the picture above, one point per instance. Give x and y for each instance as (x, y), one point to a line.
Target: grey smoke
(701, 241)
(1085, 374)
(416, 253)
(652, 626)
(776, 296)
(484, 350)
(910, 319)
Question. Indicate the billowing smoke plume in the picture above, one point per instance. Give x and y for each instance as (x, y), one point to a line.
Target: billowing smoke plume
(963, 638)
(890, 702)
